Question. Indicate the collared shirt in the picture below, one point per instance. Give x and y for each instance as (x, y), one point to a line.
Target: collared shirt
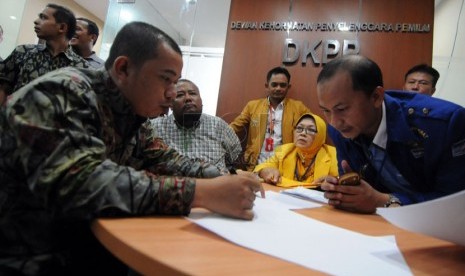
(94, 61)
(72, 149)
(381, 135)
(274, 130)
(211, 139)
(425, 143)
(27, 62)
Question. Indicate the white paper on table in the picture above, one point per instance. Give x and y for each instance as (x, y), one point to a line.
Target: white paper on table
(307, 194)
(308, 242)
(443, 218)
(290, 202)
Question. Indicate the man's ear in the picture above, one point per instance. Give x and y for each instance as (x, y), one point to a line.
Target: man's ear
(94, 38)
(120, 67)
(378, 96)
(63, 28)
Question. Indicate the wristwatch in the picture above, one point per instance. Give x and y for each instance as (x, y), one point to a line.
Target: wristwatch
(393, 200)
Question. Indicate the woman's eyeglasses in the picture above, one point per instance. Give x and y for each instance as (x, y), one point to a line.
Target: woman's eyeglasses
(310, 131)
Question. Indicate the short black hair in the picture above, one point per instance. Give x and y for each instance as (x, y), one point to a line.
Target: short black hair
(139, 41)
(92, 27)
(64, 15)
(365, 73)
(278, 70)
(424, 68)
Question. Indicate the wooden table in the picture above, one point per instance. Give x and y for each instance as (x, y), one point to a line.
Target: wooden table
(175, 246)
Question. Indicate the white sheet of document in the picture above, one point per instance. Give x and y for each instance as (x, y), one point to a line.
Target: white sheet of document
(307, 242)
(307, 194)
(290, 202)
(443, 218)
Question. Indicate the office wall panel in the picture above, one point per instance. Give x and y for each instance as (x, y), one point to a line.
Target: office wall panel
(397, 34)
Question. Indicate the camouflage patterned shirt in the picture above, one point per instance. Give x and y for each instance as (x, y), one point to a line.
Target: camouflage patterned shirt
(71, 150)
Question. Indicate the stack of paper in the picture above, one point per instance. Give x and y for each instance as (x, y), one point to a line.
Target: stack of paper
(308, 242)
(307, 194)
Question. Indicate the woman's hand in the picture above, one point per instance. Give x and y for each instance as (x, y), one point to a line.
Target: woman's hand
(270, 175)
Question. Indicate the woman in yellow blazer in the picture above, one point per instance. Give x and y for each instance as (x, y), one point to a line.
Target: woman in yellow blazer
(301, 162)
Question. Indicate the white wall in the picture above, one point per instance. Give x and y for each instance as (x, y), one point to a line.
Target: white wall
(10, 20)
(449, 49)
(203, 67)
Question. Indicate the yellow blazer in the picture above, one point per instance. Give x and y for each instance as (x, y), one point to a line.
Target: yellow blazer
(252, 123)
(285, 158)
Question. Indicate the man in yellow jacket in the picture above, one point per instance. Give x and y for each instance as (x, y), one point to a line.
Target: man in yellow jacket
(267, 123)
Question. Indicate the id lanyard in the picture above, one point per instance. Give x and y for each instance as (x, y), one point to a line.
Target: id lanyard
(269, 142)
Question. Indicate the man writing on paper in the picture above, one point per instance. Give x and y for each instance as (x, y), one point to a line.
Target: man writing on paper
(73, 147)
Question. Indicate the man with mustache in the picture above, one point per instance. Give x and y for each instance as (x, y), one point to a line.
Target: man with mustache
(55, 25)
(196, 134)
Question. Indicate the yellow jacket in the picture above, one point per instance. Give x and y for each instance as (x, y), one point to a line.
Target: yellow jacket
(252, 123)
(285, 158)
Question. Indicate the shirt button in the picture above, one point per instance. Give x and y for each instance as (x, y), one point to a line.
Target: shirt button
(425, 111)
(411, 110)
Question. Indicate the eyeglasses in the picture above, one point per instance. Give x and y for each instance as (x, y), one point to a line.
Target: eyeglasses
(310, 131)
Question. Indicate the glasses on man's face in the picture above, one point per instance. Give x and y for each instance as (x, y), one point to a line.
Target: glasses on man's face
(310, 131)
(280, 84)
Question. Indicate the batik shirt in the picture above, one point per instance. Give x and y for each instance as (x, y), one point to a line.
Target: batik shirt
(71, 149)
(27, 62)
(211, 139)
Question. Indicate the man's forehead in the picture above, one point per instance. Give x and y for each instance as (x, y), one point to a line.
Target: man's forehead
(278, 76)
(48, 11)
(83, 23)
(419, 75)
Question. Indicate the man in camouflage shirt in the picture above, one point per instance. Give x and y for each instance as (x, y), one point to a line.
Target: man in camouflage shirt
(56, 25)
(72, 149)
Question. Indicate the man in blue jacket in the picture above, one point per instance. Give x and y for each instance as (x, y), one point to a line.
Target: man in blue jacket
(407, 147)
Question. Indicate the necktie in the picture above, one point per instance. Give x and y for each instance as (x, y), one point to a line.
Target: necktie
(389, 175)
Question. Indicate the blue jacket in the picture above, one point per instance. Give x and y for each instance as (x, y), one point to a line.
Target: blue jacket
(426, 143)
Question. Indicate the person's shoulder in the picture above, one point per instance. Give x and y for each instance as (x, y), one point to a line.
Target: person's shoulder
(70, 79)
(423, 106)
(294, 102)
(26, 48)
(75, 59)
(212, 118)
(286, 147)
(335, 135)
(257, 101)
(66, 73)
(163, 120)
(68, 82)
